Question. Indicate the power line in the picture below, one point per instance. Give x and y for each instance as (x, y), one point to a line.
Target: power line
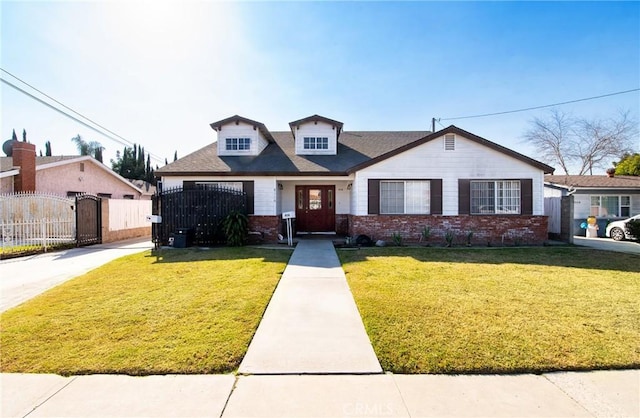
(541, 107)
(122, 140)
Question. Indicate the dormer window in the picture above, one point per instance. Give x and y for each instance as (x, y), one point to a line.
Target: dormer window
(238, 144)
(311, 142)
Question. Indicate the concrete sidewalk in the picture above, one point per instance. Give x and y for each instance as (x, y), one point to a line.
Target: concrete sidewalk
(564, 394)
(25, 277)
(312, 324)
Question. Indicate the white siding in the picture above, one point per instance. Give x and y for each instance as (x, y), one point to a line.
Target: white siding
(242, 130)
(470, 160)
(313, 129)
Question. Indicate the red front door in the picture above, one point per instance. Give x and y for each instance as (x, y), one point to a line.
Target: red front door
(315, 209)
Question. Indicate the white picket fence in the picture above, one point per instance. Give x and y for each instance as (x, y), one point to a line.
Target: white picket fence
(29, 221)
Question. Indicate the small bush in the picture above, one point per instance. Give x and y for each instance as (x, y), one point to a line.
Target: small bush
(633, 229)
(448, 237)
(397, 239)
(425, 234)
(235, 227)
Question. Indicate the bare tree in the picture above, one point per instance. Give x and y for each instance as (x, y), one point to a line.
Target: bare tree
(579, 142)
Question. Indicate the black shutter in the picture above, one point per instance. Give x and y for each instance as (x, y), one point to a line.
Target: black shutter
(436, 197)
(464, 196)
(374, 197)
(188, 185)
(526, 198)
(247, 187)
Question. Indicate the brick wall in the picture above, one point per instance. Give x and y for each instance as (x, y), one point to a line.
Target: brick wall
(24, 156)
(270, 226)
(493, 230)
(342, 224)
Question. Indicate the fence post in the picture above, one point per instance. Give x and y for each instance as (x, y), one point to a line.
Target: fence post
(43, 230)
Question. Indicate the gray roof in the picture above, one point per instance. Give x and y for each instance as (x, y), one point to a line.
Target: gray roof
(279, 158)
(594, 182)
(356, 150)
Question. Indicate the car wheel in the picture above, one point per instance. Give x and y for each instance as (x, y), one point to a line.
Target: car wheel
(617, 234)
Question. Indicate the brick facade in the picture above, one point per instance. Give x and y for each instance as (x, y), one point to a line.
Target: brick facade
(24, 156)
(269, 226)
(487, 230)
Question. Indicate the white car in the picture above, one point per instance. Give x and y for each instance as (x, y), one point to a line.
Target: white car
(618, 231)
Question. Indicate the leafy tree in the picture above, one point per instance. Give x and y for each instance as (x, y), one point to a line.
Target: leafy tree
(47, 149)
(586, 143)
(130, 164)
(629, 165)
(93, 148)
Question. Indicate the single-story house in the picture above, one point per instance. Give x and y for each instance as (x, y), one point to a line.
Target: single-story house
(67, 175)
(607, 197)
(377, 183)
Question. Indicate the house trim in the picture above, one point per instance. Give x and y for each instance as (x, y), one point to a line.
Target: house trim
(315, 118)
(237, 119)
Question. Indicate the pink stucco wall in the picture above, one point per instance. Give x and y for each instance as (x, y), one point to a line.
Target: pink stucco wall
(70, 178)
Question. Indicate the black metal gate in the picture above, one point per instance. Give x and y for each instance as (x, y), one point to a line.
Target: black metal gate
(88, 220)
(196, 213)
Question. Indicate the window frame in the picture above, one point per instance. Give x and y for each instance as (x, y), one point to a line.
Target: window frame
(619, 206)
(383, 206)
(312, 143)
(497, 200)
(238, 143)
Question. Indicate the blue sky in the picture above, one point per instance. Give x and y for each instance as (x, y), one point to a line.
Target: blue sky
(157, 73)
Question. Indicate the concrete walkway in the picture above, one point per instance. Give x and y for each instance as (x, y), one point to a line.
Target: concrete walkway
(607, 244)
(312, 324)
(25, 277)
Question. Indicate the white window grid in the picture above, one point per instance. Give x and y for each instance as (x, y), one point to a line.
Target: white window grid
(405, 197)
(495, 197)
(238, 144)
(312, 142)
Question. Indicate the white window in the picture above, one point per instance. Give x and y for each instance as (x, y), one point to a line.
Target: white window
(210, 185)
(495, 197)
(405, 197)
(449, 142)
(238, 144)
(311, 142)
(614, 206)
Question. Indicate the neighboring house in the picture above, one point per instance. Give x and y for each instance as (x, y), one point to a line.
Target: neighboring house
(371, 182)
(62, 175)
(607, 197)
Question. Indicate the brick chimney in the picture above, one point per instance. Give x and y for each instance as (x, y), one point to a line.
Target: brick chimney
(24, 157)
(611, 172)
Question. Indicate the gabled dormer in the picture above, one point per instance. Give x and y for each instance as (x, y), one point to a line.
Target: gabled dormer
(238, 136)
(316, 135)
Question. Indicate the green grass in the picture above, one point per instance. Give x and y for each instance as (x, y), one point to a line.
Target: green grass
(498, 310)
(191, 311)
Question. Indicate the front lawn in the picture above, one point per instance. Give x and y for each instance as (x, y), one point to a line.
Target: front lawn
(442, 310)
(192, 311)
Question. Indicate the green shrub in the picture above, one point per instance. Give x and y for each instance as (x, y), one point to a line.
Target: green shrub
(235, 227)
(397, 239)
(449, 236)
